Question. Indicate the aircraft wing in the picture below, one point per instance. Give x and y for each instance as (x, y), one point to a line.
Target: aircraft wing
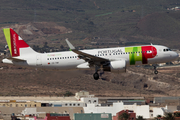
(87, 57)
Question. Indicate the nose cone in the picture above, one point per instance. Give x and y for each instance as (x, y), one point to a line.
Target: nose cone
(175, 55)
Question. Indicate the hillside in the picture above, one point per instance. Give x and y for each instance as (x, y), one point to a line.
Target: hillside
(128, 22)
(24, 81)
(165, 26)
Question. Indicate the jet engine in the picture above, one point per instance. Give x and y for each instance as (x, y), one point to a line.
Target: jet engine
(116, 66)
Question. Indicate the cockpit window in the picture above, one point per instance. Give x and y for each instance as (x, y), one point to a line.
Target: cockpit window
(166, 50)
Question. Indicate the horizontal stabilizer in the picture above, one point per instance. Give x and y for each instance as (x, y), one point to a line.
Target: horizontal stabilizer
(15, 59)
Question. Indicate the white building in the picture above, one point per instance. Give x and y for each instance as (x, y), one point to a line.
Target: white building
(81, 99)
(158, 111)
(162, 110)
(90, 100)
(92, 108)
(32, 111)
(142, 110)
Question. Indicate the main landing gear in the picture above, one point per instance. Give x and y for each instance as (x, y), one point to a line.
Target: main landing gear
(96, 74)
(155, 70)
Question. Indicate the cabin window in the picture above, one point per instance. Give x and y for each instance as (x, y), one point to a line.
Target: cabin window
(50, 58)
(47, 58)
(64, 57)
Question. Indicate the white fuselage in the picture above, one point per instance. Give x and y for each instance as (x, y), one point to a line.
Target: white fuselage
(69, 59)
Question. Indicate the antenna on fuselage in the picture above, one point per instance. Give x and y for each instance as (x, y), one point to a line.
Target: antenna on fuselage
(151, 44)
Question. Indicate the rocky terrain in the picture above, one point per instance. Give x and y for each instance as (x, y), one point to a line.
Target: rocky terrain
(137, 81)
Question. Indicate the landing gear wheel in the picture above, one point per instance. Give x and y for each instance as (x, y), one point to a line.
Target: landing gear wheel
(156, 72)
(96, 76)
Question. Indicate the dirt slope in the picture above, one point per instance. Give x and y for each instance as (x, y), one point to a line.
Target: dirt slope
(137, 81)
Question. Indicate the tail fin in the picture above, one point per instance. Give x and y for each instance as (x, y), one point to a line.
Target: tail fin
(16, 43)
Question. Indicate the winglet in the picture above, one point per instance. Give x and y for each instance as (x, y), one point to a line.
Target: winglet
(70, 45)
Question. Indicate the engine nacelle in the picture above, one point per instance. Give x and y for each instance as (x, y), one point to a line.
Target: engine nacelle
(116, 66)
(84, 65)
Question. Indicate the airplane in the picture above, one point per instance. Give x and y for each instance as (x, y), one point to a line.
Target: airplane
(106, 59)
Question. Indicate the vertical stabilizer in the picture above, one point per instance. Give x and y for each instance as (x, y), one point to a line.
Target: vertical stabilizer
(16, 43)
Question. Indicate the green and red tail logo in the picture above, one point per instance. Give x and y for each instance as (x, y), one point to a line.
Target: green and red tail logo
(14, 41)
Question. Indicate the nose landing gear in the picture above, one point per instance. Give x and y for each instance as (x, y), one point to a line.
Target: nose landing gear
(155, 70)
